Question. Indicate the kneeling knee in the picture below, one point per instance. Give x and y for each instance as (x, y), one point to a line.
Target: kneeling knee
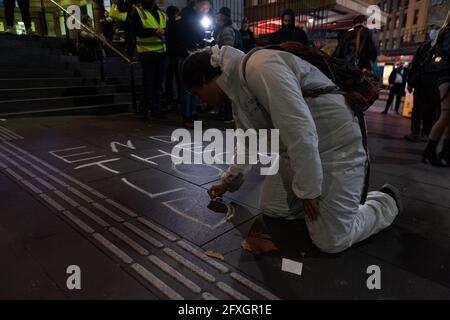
(331, 245)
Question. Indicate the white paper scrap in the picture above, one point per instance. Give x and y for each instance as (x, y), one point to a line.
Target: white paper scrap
(291, 266)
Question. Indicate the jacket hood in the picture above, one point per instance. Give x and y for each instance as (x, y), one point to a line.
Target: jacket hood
(229, 60)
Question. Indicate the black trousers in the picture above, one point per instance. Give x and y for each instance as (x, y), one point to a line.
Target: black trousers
(24, 6)
(426, 106)
(171, 75)
(396, 91)
(153, 74)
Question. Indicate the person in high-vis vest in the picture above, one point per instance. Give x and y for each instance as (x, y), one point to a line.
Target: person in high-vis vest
(149, 23)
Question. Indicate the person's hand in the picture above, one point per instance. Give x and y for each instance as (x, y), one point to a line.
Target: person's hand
(217, 190)
(160, 33)
(101, 37)
(312, 209)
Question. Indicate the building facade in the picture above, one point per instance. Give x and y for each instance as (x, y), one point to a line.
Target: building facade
(409, 23)
(49, 20)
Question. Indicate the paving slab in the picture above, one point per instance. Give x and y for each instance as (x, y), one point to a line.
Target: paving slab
(324, 276)
(173, 203)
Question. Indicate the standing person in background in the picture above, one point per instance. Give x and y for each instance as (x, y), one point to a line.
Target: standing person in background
(88, 45)
(24, 6)
(172, 67)
(149, 23)
(248, 38)
(434, 31)
(440, 64)
(127, 6)
(397, 85)
(225, 12)
(426, 96)
(288, 31)
(226, 36)
(191, 35)
(358, 46)
(108, 26)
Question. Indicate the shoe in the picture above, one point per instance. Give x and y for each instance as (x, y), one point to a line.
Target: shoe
(412, 138)
(395, 194)
(31, 33)
(429, 154)
(432, 159)
(11, 30)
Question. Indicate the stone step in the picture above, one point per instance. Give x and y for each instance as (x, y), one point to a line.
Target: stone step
(60, 82)
(25, 105)
(36, 93)
(102, 109)
(37, 73)
(32, 61)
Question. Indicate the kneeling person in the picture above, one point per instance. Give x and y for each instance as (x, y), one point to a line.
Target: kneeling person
(322, 158)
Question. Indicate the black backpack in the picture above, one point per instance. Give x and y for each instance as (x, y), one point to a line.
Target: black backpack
(361, 89)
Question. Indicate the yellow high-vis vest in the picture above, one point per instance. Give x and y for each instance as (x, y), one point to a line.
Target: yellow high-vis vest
(151, 44)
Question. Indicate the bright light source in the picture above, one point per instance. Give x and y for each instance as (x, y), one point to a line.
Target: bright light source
(310, 20)
(206, 22)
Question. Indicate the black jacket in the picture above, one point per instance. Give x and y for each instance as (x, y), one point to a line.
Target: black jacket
(190, 31)
(289, 34)
(248, 40)
(415, 73)
(368, 49)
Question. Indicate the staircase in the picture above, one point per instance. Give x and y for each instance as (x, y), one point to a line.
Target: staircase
(37, 79)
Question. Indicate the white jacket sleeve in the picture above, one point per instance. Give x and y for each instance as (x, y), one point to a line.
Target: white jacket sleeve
(277, 89)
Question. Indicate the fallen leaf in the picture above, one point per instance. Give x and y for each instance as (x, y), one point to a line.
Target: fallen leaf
(259, 234)
(246, 246)
(214, 254)
(258, 242)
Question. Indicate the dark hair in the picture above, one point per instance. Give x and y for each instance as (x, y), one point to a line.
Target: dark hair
(172, 11)
(197, 69)
(291, 13)
(225, 11)
(359, 19)
(226, 14)
(85, 18)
